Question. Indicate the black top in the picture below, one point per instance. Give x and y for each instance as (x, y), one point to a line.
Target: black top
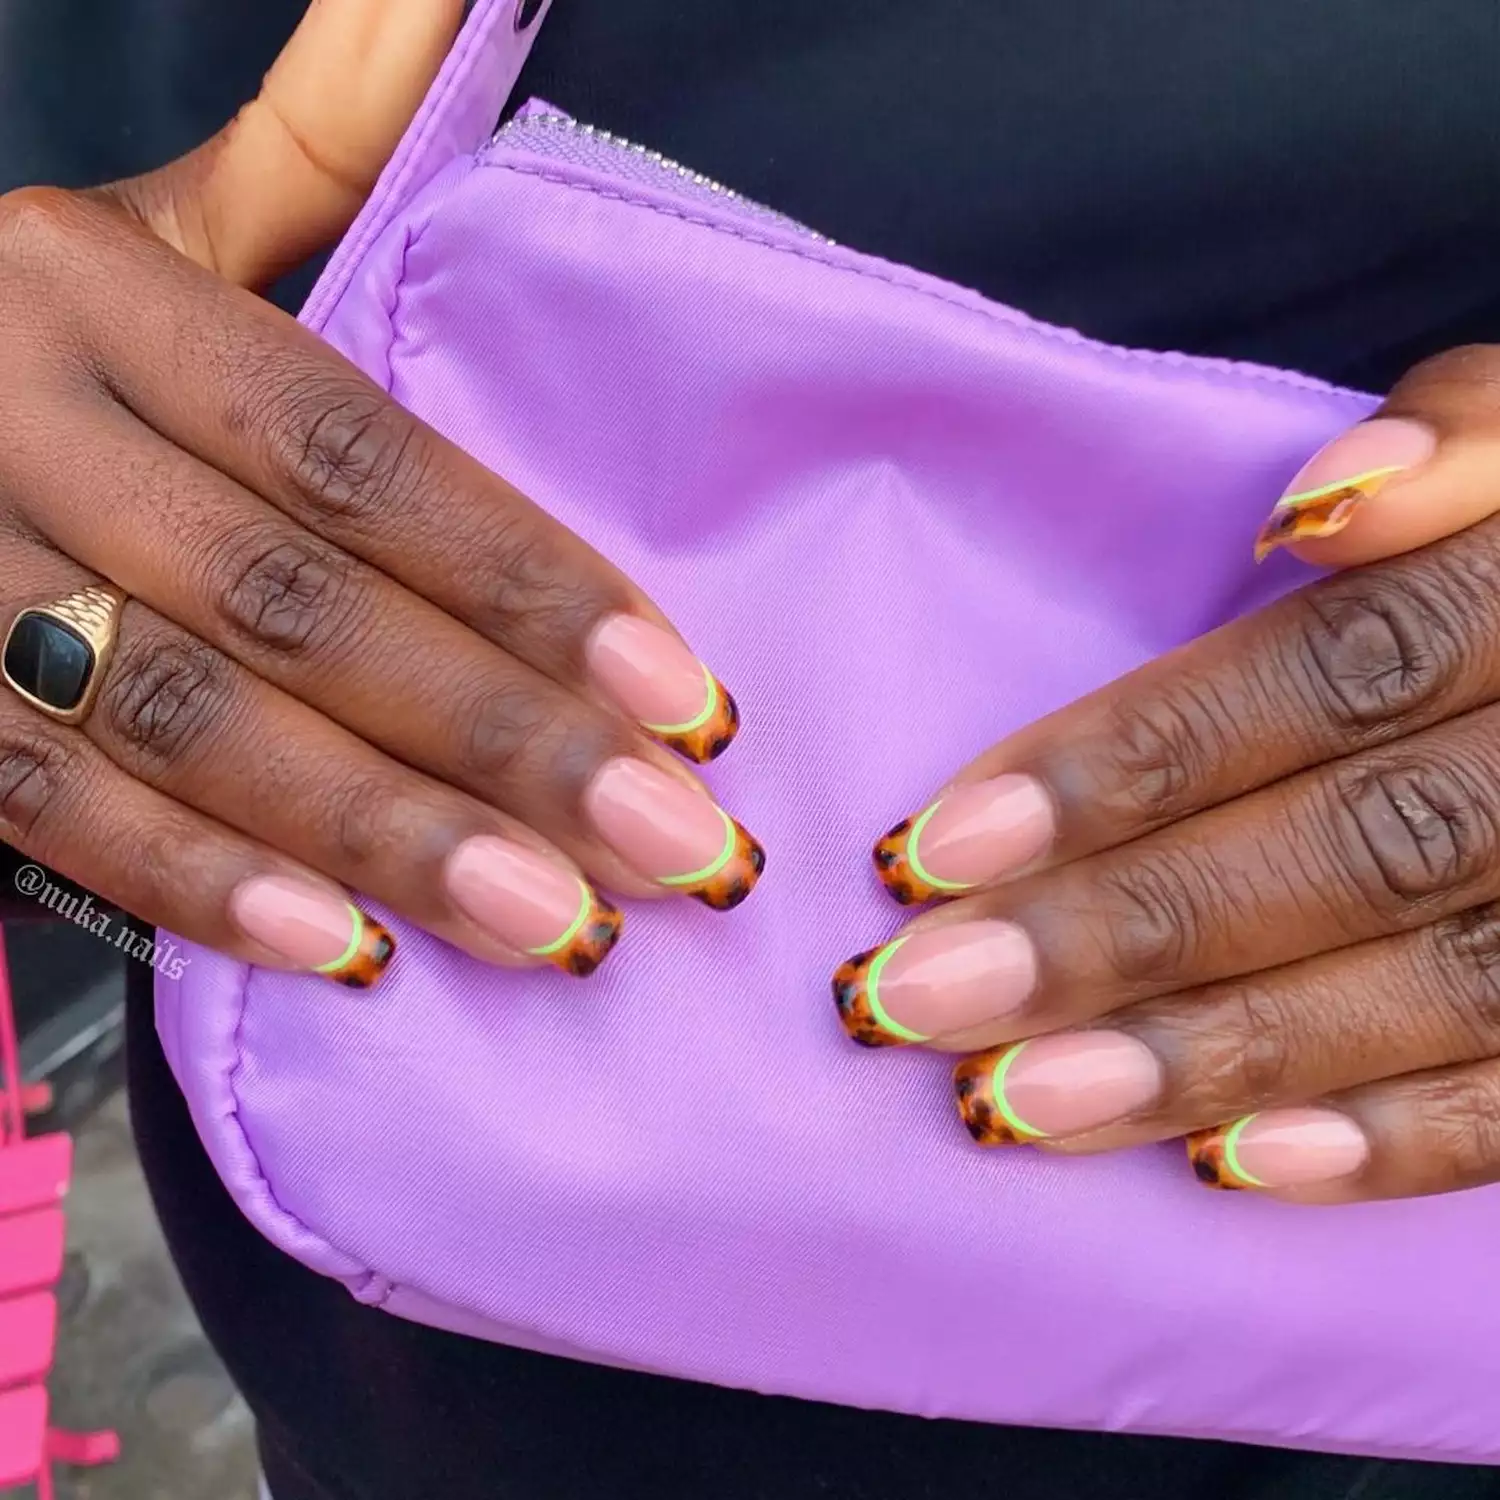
(1307, 184)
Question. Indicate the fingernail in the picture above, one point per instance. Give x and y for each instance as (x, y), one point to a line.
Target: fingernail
(312, 928)
(673, 834)
(973, 834)
(927, 983)
(1054, 1086)
(1280, 1148)
(663, 686)
(530, 902)
(1339, 478)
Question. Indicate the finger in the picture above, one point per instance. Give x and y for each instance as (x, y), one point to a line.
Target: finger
(289, 173)
(1433, 1132)
(245, 389)
(1423, 467)
(1427, 999)
(398, 673)
(1378, 843)
(1351, 662)
(64, 805)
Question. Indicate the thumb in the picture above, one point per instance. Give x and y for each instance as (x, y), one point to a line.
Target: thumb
(1423, 466)
(288, 174)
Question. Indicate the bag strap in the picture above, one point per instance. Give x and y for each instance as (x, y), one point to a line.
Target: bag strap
(456, 118)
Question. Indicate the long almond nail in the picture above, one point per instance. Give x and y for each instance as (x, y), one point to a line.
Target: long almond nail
(663, 686)
(527, 901)
(313, 928)
(974, 834)
(672, 834)
(1058, 1085)
(1280, 1148)
(935, 981)
(1338, 479)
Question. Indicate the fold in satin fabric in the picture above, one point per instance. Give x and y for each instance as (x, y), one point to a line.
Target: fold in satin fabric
(902, 521)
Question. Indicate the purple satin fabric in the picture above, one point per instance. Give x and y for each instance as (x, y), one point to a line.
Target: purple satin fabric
(900, 521)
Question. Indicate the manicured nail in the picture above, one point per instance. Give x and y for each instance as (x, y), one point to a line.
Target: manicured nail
(663, 686)
(1280, 1148)
(1339, 478)
(1057, 1085)
(312, 928)
(530, 902)
(672, 834)
(940, 980)
(973, 834)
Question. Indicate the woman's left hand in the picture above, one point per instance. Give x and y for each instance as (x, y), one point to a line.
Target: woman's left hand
(1250, 893)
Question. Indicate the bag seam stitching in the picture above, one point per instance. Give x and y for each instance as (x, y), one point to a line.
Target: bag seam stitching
(1218, 367)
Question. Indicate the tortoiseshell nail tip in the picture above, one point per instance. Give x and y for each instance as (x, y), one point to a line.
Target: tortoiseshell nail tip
(590, 937)
(370, 951)
(1325, 511)
(710, 733)
(1214, 1157)
(979, 1083)
(900, 867)
(730, 878)
(856, 992)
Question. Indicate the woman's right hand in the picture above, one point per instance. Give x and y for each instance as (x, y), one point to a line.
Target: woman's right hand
(351, 655)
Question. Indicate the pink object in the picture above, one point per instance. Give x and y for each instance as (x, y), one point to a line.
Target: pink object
(1385, 443)
(660, 826)
(647, 671)
(35, 1173)
(984, 830)
(23, 1435)
(28, 1335)
(517, 895)
(31, 1251)
(1296, 1147)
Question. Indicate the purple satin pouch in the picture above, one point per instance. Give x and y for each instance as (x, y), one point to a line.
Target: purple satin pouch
(900, 521)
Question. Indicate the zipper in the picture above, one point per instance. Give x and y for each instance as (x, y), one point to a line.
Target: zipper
(541, 131)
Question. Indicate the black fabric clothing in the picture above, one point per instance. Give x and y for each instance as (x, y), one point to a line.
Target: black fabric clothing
(1310, 185)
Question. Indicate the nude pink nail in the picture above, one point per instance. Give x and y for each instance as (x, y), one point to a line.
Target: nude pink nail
(928, 983)
(673, 834)
(311, 927)
(655, 679)
(1067, 1084)
(1279, 1148)
(529, 902)
(970, 835)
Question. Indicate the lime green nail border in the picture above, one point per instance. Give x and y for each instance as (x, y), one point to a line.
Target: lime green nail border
(1306, 497)
(354, 942)
(917, 868)
(709, 709)
(997, 1088)
(1232, 1152)
(585, 906)
(731, 833)
(872, 983)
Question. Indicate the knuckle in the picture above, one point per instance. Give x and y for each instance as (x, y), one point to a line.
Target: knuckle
(1244, 1051)
(1458, 1135)
(1409, 832)
(1465, 952)
(344, 448)
(510, 731)
(1378, 648)
(1164, 749)
(163, 696)
(34, 771)
(289, 595)
(37, 224)
(528, 587)
(1157, 911)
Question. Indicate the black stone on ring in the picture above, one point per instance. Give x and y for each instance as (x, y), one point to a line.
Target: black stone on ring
(48, 660)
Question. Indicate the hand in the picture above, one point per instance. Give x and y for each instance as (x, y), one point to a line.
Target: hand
(1250, 893)
(350, 654)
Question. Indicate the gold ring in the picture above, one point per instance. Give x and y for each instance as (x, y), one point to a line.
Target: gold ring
(55, 655)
